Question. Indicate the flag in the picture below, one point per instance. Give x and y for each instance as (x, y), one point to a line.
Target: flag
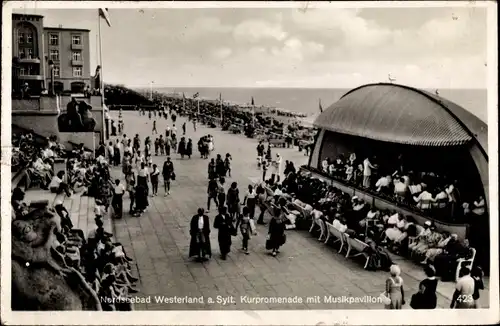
(320, 106)
(196, 95)
(103, 13)
(253, 103)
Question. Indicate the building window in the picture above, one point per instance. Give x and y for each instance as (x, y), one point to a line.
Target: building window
(54, 39)
(22, 53)
(54, 55)
(76, 39)
(29, 38)
(56, 71)
(77, 56)
(30, 53)
(77, 71)
(21, 37)
(22, 71)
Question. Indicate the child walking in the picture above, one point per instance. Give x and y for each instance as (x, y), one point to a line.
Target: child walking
(245, 223)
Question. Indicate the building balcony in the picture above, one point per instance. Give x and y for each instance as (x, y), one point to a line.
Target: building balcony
(29, 60)
(31, 77)
(76, 46)
(77, 62)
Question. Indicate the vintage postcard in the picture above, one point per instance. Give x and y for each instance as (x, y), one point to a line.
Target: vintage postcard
(249, 163)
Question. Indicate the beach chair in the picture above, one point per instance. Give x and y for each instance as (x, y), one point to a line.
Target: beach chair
(358, 246)
(462, 262)
(336, 233)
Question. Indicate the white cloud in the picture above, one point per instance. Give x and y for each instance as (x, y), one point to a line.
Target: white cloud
(257, 30)
(356, 30)
(222, 53)
(202, 27)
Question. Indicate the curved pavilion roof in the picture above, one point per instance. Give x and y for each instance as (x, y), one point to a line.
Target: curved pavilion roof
(405, 115)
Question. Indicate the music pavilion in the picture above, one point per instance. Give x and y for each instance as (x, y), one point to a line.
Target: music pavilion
(431, 133)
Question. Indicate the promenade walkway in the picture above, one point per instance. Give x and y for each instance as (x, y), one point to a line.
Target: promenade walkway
(159, 242)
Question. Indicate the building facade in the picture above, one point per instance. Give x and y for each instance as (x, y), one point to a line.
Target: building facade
(27, 52)
(69, 51)
(42, 54)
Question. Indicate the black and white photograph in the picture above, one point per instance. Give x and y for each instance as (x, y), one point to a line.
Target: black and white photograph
(286, 163)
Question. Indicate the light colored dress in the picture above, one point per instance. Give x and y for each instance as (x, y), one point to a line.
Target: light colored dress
(395, 293)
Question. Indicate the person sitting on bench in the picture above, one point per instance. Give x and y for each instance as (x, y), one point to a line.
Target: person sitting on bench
(58, 186)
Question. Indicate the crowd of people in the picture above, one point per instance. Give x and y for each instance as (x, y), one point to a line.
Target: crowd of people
(102, 263)
(293, 201)
(234, 118)
(382, 231)
(36, 158)
(428, 192)
(142, 178)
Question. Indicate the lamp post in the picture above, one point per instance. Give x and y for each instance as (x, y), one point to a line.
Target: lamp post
(151, 90)
(51, 68)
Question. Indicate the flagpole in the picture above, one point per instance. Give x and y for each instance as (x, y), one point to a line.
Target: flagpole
(198, 101)
(220, 99)
(104, 127)
(253, 116)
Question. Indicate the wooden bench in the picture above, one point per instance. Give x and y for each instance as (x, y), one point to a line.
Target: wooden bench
(319, 222)
(336, 233)
(305, 213)
(277, 142)
(358, 246)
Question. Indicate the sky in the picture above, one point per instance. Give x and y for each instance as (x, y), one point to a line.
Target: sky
(286, 47)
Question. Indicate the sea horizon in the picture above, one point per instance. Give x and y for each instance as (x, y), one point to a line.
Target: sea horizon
(306, 100)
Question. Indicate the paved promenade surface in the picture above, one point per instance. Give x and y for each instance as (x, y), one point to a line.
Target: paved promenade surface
(159, 242)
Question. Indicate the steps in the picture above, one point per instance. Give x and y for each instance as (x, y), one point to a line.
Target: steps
(82, 214)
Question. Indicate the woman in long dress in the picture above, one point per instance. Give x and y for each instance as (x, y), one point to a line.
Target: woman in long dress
(233, 200)
(182, 147)
(200, 236)
(276, 235)
(394, 289)
(189, 148)
(224, 224)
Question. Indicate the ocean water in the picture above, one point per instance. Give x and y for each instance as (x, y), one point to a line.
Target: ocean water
(307, 99)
